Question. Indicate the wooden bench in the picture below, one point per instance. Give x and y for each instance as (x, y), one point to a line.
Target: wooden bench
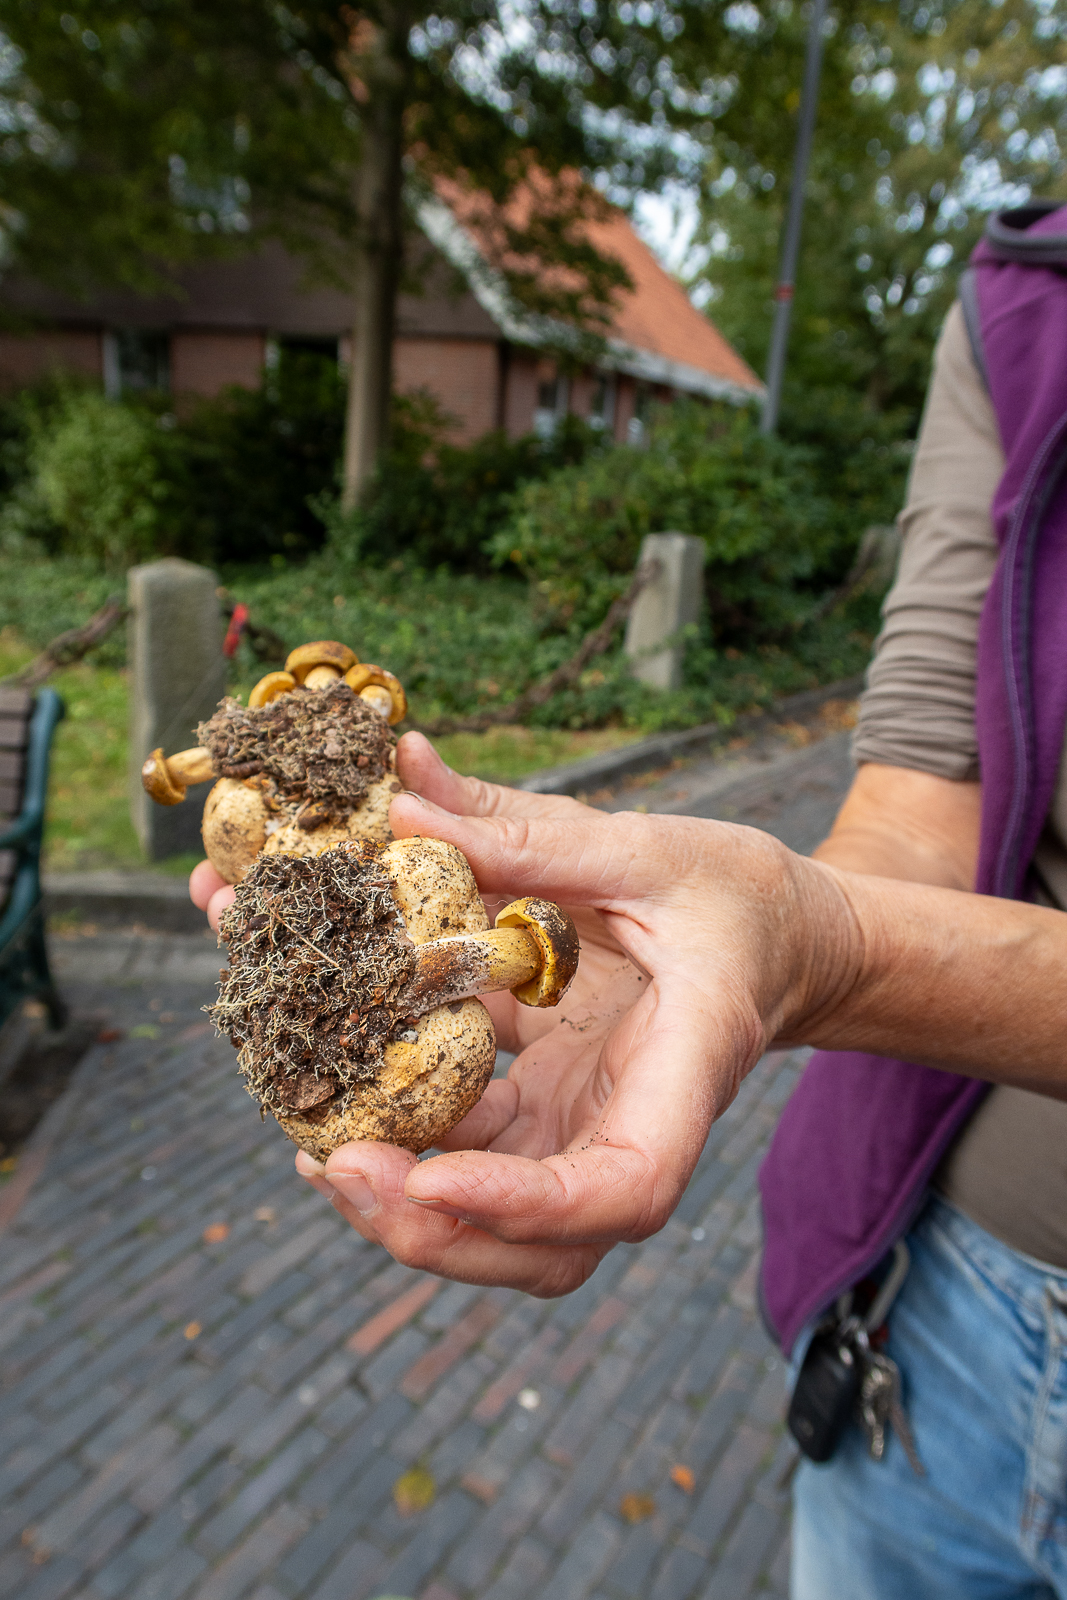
(27, 723)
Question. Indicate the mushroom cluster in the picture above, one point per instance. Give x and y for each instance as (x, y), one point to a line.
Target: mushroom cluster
(355, 959)
(307, 764)
(351, 993)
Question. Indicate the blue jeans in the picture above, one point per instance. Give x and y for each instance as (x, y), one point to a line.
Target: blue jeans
(980, 1334)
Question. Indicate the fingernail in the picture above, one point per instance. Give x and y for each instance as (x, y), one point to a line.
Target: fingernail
(440, 1206)
(353, 1187)
(413, 796)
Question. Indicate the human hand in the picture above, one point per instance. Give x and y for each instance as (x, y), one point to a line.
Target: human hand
(594, 1135)
(603, 965)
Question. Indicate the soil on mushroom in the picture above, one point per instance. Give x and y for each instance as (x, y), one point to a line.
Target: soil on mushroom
(321, 744)
(318, 961)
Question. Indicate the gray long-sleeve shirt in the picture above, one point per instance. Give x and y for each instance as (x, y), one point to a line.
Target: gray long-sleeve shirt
(1008, 1168)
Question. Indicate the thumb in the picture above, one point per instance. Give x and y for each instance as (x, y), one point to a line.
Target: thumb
(573, 853)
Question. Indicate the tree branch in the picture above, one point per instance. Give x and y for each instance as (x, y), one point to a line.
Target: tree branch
(71, 646)
(594, 644)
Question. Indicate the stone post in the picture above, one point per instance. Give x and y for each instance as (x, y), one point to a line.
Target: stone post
(177, 677)
(664, 607)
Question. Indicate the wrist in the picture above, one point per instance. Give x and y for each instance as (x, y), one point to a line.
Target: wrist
(828, 950)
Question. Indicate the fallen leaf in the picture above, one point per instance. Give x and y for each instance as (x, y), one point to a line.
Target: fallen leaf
(144, 1030)
(684, 1478)
(215, 1233)
(29, 1536)
(414, 1491)
(637, 1507)
(108, 1035)
(193, 1330)
(9, 1163)
(266, 1214)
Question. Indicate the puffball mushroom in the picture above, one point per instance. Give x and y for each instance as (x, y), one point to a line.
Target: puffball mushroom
(351, 993)
(356, 960)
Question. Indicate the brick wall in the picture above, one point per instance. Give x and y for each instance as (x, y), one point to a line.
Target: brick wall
(204, 363)
(27, 357)
(520, 394)
(464, 375)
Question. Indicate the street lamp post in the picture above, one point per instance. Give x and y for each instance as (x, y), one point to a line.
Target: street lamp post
(783, 294)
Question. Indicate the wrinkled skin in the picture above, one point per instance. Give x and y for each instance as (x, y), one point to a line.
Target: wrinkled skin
(594, 1134)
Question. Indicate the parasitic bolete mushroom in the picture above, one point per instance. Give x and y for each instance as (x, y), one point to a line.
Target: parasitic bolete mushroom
(307, 764)
(356, 960)
(351, 993)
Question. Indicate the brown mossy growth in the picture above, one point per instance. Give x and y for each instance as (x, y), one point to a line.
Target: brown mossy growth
(326, 745)
(318, 959)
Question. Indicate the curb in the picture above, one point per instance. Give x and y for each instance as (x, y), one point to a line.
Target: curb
(646, 755)
(161, 903)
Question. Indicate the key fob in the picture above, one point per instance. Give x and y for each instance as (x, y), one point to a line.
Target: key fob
(824, 1396)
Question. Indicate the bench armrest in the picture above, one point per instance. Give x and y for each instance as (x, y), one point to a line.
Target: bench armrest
(47, 712)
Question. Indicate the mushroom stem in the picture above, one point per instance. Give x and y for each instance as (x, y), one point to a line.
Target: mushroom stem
(166, 778)
(533, 951)
(469, 964)
(321, 677)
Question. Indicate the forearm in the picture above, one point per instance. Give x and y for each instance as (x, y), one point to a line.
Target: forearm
(964, 982)
(898, 823)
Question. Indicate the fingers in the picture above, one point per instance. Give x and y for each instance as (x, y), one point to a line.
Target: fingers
(440, 1244)
(209, 890)
(219, 901)
(422, 770)
(571, 853)
(204, 881)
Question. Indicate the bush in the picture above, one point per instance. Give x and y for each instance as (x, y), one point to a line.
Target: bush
(227, 479)
(440, 503)
(109, 479)
(768, 530)
(255, 457)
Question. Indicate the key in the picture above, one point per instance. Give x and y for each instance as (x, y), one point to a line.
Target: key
(881, 1406)
(875, 1401)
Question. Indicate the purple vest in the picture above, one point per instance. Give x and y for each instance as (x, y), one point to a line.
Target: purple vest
(849, 1165)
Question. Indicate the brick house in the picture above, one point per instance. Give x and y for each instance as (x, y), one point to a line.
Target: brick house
(456, 338)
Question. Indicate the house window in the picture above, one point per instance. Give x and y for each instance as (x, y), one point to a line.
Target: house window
(136, 361)
(553, 396)
(637, 427)
(602, 405)
(310, 345)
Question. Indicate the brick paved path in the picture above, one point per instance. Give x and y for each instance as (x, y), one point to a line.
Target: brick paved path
(211, 1385)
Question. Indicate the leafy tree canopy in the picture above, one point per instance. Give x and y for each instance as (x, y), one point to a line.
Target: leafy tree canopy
(931, 113)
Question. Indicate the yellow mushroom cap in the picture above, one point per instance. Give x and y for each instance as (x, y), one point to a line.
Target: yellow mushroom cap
(364, 675)
(557, 940)
(321, 653)
(270, 687)
(158, 783)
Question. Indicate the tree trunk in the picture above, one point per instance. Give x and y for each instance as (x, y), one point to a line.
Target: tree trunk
(379, 255)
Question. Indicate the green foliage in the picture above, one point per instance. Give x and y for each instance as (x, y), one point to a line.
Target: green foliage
(94, 479)
(253, 457)
(441, 503)
(145, 133)
(768, 527)
(227, 479)
(929, 115)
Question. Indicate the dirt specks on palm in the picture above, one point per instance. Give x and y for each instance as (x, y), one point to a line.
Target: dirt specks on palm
(323, 744)
(318, 961)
